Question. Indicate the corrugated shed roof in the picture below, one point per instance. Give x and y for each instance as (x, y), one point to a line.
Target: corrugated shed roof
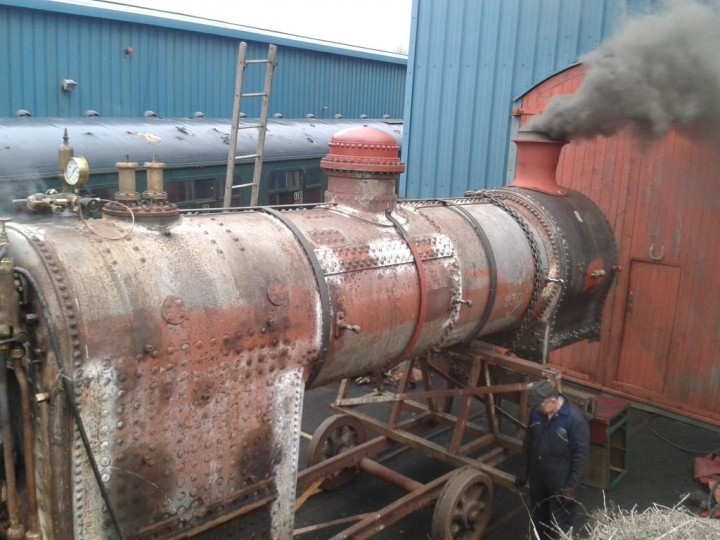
(118, 11)
(176, 68)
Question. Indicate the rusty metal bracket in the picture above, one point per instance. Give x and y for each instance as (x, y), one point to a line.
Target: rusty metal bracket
(422, 285)
(341, 325)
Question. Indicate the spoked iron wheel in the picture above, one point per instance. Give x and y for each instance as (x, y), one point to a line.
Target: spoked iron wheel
(464, 507)
(334, 436)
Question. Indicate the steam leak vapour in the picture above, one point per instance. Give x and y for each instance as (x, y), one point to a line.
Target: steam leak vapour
(658, 71)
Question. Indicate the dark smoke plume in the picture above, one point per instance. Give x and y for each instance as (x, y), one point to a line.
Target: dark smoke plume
(658, 71)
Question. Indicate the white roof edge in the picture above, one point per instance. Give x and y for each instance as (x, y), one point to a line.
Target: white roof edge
(108, 9)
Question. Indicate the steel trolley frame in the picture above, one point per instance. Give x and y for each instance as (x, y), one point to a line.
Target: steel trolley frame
(339, 449)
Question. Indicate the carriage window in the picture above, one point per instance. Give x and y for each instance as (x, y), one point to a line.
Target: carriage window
(314, 195)
(177, 192)
(315, 177)
(285, 180)
(190, 190)
(273, 182)
(294, 180)
(205, 188)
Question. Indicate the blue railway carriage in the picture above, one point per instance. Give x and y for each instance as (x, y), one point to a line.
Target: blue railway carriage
(195, 153)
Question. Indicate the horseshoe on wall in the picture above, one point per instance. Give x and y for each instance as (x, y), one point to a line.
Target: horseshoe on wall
(658, 257)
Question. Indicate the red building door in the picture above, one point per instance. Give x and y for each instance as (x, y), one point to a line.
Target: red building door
(646, 341)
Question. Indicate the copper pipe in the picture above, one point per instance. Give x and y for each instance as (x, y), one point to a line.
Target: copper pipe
(16, 529)
(33, 521)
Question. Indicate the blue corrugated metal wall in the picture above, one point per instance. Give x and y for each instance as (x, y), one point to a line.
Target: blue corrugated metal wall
(469, 62)
(175, 68)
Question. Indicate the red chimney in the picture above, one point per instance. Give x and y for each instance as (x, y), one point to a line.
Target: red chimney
(537, 158)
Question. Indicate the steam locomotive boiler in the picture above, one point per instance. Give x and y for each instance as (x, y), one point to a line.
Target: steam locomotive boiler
(155, 360)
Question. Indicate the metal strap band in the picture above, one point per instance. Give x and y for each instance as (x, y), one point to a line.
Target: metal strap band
(322, 289)
(538, 279)
(422, 284)
(492, 265)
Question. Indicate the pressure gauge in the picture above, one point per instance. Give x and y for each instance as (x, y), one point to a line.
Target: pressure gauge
(77, 172)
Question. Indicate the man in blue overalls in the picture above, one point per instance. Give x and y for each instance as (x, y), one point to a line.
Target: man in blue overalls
(554, 458)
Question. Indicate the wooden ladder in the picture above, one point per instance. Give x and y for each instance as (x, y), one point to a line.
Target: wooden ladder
(270, 63)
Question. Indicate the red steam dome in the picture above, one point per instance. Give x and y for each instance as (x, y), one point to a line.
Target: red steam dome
(363, 149)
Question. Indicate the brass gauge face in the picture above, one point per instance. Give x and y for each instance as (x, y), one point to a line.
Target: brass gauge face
(77, 172)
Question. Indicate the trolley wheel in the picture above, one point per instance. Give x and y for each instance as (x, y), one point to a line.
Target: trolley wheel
(464, 506)
(334, 436)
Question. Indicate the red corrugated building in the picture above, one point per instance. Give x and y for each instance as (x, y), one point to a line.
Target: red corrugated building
(661, 333)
